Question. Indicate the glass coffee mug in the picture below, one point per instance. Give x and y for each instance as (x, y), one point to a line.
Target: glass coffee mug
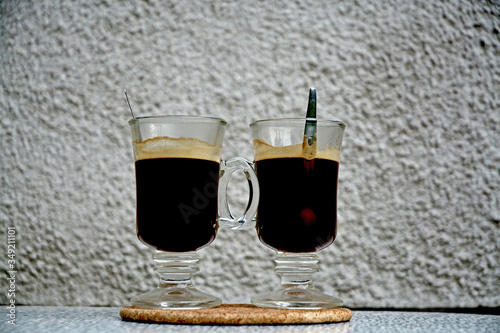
(297, 210)
(181, 188)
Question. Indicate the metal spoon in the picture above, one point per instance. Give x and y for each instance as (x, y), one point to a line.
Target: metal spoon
(126, 96)
(310, 129)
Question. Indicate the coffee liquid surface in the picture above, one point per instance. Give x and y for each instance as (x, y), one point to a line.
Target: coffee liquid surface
(298, 203)
(166, 147)
(176, 183)
(264, 151)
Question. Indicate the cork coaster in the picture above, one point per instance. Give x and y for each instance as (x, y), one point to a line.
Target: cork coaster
(237, 314)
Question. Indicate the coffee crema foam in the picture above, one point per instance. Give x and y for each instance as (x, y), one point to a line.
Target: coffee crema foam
(263, 151)
(166, 147)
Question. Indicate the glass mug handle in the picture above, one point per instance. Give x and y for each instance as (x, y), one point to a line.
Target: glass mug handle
(226, 218)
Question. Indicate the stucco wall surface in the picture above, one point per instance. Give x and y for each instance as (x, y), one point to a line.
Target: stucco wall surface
(416, 82)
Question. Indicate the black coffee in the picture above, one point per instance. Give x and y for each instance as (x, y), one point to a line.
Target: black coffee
(176, 203)
(298, 203)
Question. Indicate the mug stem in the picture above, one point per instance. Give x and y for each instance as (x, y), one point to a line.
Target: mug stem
(175, 288)
(176, 268)
(296, 269)
(296, 290)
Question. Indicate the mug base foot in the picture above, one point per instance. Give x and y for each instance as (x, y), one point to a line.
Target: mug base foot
(296, 298)
(176, 298)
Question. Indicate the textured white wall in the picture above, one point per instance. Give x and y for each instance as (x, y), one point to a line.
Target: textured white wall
(417, 83)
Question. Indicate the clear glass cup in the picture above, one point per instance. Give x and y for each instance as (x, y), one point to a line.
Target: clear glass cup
(181, 187)
(297, 211)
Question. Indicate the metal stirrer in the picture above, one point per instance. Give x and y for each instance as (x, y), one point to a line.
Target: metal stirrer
(126, 96)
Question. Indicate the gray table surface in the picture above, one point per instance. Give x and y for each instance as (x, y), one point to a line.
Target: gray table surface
(101, 319)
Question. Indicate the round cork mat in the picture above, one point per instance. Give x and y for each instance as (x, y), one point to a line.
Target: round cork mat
(236, 314)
